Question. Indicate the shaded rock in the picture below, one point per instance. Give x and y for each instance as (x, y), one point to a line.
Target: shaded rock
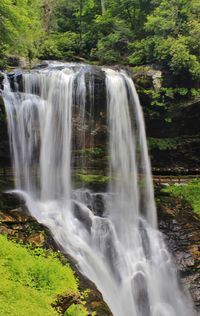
(14, 216)
(37, 239)
(148, 78)
(64, 302)
(4, 141)
(181, 228)
(170, 116)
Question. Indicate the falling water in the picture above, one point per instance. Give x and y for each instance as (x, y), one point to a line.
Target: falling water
(121, 251)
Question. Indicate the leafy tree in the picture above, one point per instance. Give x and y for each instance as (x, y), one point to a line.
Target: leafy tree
(171, 38)
(60, 46)
(161, 32)
(113, 37)
(21, 27)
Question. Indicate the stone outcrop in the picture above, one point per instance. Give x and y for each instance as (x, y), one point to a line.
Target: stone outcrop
(176, 121)
(4, 142)
(172, 119)
(181, 227)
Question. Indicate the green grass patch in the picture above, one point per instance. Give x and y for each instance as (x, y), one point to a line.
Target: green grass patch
(31, 280)
(190, 192)
(92, 178)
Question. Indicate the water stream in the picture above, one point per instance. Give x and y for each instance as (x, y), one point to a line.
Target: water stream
(121, 251)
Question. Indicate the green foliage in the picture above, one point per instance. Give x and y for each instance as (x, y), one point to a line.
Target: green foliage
(181, 60)
(195, 92)
(31, 280)
(107, 51)
(162, 32)
(162, 143)
(20, 27)
(92, 178)
(189, 192)
(161, 99)
(93, 152)
(180, 92)
(60, 45)
(112, 46)
(76, 310)
(171, 38)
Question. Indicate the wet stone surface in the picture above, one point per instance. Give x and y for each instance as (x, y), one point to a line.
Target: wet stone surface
(181, 228)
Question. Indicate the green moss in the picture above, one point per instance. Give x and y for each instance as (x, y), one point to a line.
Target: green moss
(162, 143)
(76, 310)
(91, 152)
(92, 178)
(190, 192)
(31, 280)
(141, 68)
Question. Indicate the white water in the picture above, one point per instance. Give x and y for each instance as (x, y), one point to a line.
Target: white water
(121, 252)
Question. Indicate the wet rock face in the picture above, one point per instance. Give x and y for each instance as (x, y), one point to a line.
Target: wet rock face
(183, 127)
(17, 224)
(4, 141)
(181, 228)
(172, 118)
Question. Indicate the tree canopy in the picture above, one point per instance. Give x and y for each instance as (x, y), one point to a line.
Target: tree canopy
(134, 32)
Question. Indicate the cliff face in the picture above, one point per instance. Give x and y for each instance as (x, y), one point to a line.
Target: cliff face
(172, 119)
(4, 142)
(180, 226)
(173, 130)
(172, 116)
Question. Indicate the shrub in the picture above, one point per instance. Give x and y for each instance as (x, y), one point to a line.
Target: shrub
(31, 280)
(190, 192)
(60, 45)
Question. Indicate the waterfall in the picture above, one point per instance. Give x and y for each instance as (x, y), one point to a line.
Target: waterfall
(121, 251)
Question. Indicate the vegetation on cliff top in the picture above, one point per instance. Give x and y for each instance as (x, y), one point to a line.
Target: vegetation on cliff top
(190, 192)
(164, 32)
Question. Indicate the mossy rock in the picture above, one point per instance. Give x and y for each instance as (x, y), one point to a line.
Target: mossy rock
(143, 80)
(95, 182)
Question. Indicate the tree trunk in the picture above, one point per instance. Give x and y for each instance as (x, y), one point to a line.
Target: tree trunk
(80, 18)
(103, 6)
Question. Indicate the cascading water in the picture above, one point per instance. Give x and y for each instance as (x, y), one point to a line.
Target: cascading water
(120, 251)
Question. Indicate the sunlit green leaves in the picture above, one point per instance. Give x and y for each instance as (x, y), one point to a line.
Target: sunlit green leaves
(171, 40)
(20, 26)
(31, 280)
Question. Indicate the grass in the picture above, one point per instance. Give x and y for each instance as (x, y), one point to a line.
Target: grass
(190, 192)
(31, 280)
(91, 178)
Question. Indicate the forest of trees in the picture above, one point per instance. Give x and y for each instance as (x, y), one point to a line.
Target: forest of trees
(165, 33)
